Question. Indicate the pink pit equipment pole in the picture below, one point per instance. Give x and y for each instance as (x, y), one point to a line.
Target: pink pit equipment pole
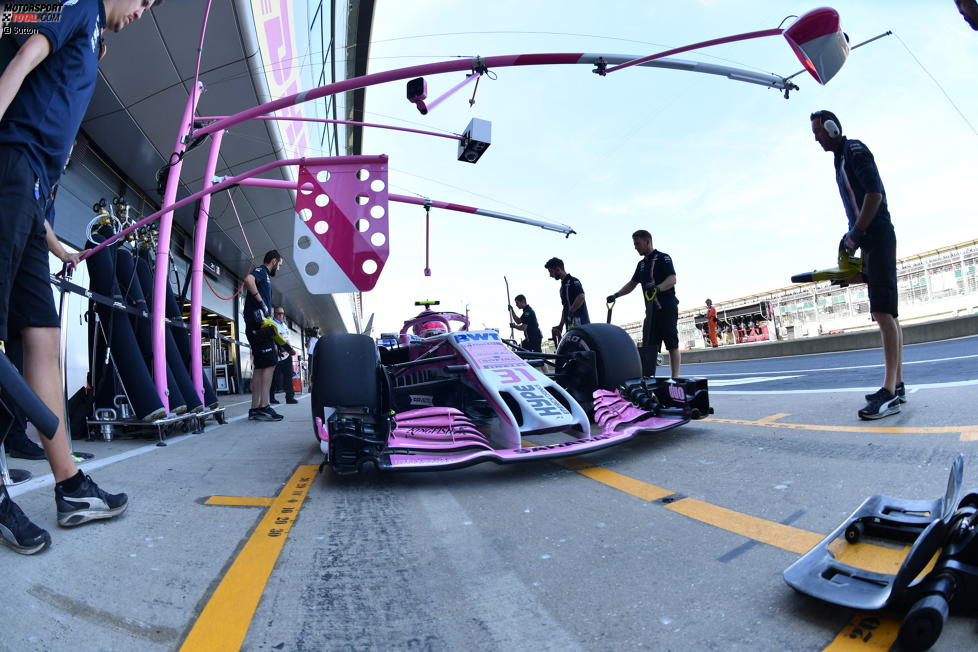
(425, 108)
(161, 271)
(421, 201)
(197, 269)
(694, 46)
(346, 122)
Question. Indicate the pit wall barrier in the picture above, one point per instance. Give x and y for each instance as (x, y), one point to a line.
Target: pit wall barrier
(915, 333)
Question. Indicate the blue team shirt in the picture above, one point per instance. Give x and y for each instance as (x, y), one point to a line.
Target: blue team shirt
(856, 175)
(263, 283)
(655, 268)
(570, 289)
(44, 117)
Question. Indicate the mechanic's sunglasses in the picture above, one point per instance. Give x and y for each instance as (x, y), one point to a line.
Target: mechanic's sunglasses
(280, 313)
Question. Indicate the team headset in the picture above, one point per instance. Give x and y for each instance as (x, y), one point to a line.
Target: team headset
(831, 128)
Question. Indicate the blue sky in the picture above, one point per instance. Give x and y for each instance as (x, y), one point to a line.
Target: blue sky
(725, 175)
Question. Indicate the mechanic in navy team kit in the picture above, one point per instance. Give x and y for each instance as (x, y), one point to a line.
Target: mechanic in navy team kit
(870, 230)
(527, 323)
(574, 311)
(264, 354)
(44, 93)
(656, 276)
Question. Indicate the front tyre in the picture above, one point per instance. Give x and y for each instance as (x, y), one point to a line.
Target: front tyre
(601, 356)
(350, 393)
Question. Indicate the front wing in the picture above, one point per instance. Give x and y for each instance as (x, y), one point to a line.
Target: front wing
(444, 438)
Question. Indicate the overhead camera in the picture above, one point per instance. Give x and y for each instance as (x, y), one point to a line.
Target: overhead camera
(417, 91)
(475, 140)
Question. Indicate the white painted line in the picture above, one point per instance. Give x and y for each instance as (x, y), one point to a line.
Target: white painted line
(47, 480)
(864, 366)
(864, 390)
(747, 381)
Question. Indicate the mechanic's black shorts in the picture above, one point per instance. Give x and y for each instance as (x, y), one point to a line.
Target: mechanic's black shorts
(533, 343)
(660, 328)
(26, 296)
(879, 268)
(263, 351)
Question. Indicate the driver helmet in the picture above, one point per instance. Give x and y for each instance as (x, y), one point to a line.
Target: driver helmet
(432, 328)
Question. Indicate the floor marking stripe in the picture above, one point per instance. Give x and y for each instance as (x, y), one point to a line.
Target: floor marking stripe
(240, 501)
(866, 632)
(773, 418)
(774, 534)
(626, 484)
(968, 433)
(223, 624)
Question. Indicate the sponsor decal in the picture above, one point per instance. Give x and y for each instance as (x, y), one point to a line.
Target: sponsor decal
(541, 402)
(422, 400)
(428, 430)
(476, 337)
(22, 18)
(677, 393)
(566, 444)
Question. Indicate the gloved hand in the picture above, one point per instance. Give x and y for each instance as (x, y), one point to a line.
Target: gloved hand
(512, 324)
(264, 310)
(611, 298)
(511, 309)
(854, 238)
(651, 291)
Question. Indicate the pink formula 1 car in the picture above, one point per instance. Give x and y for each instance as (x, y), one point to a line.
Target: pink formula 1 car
(437, 398)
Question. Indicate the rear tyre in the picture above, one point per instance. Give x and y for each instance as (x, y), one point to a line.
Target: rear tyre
(349, 379)
(615, 360)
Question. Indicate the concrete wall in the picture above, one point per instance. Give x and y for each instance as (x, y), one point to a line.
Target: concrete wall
(912, 334)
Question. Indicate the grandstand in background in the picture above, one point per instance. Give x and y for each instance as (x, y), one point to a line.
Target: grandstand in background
(933, 285)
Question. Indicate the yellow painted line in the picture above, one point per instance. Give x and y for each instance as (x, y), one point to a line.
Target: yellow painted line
(866, 632)
(968, 433)
(239, 501)
(773, 418)
(224, 621)
(774, 534)
(624, 483)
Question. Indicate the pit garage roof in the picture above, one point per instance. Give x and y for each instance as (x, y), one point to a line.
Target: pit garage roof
(142, 89)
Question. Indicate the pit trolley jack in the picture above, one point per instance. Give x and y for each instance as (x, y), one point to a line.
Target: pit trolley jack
(939, 573)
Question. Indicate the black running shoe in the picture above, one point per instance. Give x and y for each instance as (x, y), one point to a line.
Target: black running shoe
(291, 401)
(87, 503)
(273, 402)
(259, 414)
(17, 531)
(882, 404)
(901, 393)
(272, 413)
(25, 450)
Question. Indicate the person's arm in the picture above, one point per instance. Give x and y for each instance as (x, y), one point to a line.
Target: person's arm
(625, 289)
(34, 50)
(252, 289)
(871, 204)
(54, 246)
(578, 302)
(518, 326)
(667, 283)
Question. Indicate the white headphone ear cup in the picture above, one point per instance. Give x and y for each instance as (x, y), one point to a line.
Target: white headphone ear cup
(831, 128)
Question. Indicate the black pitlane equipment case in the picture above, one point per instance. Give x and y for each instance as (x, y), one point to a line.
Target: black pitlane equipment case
(940, 570)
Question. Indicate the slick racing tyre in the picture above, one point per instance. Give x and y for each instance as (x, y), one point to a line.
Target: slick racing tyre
(615, 360)
(349, 379)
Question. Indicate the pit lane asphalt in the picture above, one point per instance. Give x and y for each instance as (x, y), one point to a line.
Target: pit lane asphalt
(535, 556)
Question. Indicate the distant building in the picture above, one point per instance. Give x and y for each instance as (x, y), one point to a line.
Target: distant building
(935, 284)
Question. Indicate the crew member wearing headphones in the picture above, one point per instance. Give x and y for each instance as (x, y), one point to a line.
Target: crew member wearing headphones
(870, 230)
